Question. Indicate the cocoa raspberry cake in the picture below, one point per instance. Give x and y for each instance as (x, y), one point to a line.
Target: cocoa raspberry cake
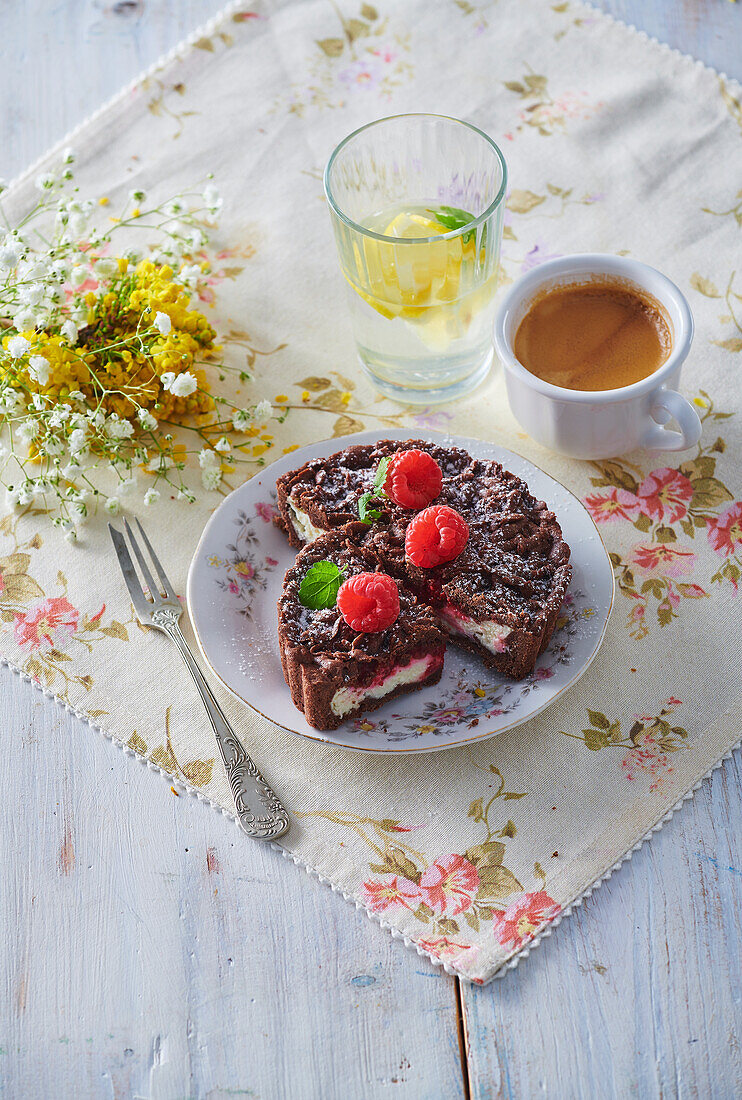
(484, 555)
(373, 642)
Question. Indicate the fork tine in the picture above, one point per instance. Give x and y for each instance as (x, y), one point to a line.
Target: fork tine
(149, 580)
(141, 605)
(169, 590)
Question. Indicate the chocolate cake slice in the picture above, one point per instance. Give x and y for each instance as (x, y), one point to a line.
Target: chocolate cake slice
(500, 597)
(335, 672)
(323, 494)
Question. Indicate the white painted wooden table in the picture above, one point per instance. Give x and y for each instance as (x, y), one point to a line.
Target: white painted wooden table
(130, 966)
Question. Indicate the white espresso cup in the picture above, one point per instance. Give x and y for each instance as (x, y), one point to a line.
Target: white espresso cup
(600, 423)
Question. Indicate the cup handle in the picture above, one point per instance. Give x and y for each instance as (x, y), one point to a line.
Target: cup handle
(667, 404)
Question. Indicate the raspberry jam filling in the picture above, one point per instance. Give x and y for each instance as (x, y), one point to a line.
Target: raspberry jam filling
(415, 671)
(488, 632)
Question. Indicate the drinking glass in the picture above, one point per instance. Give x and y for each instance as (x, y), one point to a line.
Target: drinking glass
(417, 206)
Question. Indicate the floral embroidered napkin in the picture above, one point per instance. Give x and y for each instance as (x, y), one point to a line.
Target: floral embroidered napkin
(613, 143)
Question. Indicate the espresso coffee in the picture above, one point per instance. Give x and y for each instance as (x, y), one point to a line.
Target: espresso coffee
(593, 336)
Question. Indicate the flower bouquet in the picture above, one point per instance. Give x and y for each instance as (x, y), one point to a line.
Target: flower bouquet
(105, 363)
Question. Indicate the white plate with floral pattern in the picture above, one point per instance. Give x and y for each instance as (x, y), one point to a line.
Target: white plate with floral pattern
(235, 580)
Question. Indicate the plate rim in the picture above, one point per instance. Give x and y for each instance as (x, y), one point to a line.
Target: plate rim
(449, 439)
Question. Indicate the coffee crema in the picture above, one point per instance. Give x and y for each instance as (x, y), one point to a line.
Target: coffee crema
(593, 336)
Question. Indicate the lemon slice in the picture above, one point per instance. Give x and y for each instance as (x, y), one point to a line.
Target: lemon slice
(413, 225)
(406, 280)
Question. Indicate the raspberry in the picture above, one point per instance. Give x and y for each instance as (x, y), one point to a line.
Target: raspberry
(413, 479)
(435, 535)
(369, 602)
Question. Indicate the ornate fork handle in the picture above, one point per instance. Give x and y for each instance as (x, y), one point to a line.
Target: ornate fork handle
(258, 808)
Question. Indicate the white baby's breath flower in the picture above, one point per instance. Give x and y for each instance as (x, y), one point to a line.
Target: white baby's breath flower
(241, 420)
(78, 510)
(45, 181)
(127, 486)
(39, 485)
(151, 496)
(106, 267)
(18, 346)
(77, 441)
(116, 428)
(70, 534)
(32, 294)
(11, 402)
(60, 270)
(162, 323)
(25, 320)
(78, 275)
(207, 458)
(190, 274)
(34, 268)
(112, 506)
(180, 385)
(70, 332)
(174, 208)
(147, 420)
(174, 249)
(59, 416)
(38, 401)
(78, 224)
(10, 254)
(39, 368)
(69, 155)
(52, 446)
(223, 445)
(261, 414)
(184, 494)
(12, 497)
(28, 430)
(137, 195)
(212, 199)
(211, 478)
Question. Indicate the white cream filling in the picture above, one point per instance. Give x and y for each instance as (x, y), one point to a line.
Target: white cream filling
(303, 526)
(488, 633)
(348, 698)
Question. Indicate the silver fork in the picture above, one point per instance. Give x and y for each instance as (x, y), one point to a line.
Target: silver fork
(259, 810)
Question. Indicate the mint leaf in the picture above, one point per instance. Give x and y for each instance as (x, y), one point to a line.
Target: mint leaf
(452, 217)
(320, 585)
(366, 513)
(380, 476)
